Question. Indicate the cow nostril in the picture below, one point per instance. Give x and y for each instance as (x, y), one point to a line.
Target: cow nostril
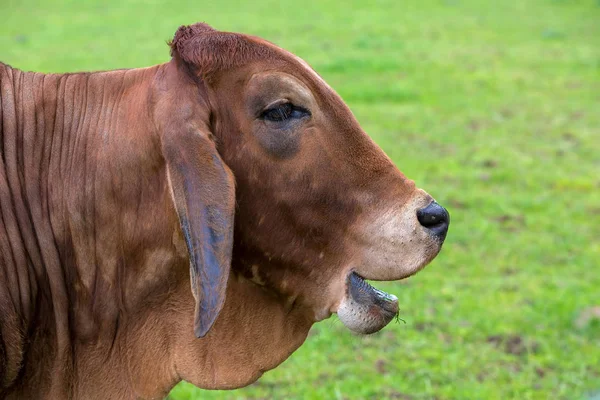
(435, 218)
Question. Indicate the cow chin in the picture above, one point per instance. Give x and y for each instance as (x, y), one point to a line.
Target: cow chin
(396, 246)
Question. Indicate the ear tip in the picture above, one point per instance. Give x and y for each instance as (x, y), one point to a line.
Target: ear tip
(203, 325)
(201, 329)
(200, 333)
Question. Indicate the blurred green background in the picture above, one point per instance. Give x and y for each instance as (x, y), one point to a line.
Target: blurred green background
(492, 107)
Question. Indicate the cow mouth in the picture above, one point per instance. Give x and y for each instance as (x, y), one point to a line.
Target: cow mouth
(362, 292)
(366, 309)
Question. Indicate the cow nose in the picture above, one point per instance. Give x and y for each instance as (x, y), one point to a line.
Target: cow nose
(435, 218)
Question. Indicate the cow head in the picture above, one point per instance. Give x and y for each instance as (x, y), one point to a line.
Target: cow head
(319, 207)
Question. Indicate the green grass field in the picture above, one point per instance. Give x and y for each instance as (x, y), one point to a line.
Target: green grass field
(492, 107)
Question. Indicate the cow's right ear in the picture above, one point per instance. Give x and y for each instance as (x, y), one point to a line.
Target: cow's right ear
(203, 192)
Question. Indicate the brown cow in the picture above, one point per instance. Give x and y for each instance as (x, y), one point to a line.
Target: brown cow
(119, 191)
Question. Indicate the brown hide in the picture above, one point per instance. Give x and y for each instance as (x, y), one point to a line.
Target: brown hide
(169, 223)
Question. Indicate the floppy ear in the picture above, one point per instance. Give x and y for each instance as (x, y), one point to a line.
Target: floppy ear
(202, 185)
(203, 191)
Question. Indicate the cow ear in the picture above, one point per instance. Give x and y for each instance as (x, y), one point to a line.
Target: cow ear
(203, 192)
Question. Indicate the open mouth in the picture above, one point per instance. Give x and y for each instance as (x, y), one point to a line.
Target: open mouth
(365, 308)
(363, 293)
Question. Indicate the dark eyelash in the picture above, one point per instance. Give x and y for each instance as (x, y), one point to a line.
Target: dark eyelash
(283, 112)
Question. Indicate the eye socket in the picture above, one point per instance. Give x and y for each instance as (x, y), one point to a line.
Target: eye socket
(283, 112)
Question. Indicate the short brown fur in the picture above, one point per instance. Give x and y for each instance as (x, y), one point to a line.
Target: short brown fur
(120, 189)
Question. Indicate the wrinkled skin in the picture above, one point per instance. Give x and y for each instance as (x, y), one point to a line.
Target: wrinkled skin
(190, 220)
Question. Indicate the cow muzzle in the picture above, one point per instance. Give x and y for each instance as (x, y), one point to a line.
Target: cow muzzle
(396, 243)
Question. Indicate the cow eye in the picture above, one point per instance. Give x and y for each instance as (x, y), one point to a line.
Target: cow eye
(284, 112)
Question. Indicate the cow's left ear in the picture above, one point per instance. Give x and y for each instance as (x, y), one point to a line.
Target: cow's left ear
(203, 191)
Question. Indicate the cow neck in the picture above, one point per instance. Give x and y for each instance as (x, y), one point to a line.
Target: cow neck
(68, 146)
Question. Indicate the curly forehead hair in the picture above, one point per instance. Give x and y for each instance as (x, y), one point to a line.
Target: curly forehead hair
(207, 50)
